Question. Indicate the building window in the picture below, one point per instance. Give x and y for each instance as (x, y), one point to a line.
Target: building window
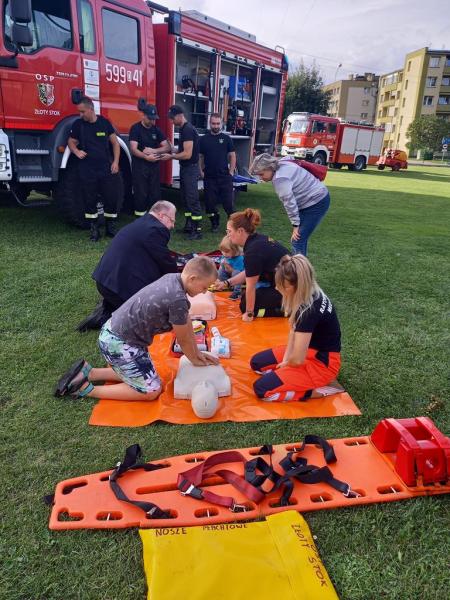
(428, 100)
(434, 61)
(398, 137)
(406, 84)
(444, 100)
(393, 128)
(364, 115)
(398, 95)
(365, 103)
(380, 112)
(395, 112)
(431, 81)
(447, 61)
(409, 65)
(401, 121)
(121, 37)
(446, 81)
(403, 102)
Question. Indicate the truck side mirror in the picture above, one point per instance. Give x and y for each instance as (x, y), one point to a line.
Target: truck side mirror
(141, 104)
(76, 95)
(174, 22)
(20, 11)
(21, 35)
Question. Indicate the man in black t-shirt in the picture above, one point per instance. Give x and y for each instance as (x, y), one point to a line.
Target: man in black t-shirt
(187, 154)
(217, 165)
(147, 143)
(90, 140)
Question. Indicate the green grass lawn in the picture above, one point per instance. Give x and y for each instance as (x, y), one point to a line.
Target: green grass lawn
(381, 253)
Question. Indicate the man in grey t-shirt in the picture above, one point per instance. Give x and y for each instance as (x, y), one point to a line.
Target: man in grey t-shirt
(124, 339)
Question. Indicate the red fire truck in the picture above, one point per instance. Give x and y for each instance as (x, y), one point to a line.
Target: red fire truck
(326, 140)
(54, 51)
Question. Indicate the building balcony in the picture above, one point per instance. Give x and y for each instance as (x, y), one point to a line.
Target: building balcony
(386, 103)
(392, 87)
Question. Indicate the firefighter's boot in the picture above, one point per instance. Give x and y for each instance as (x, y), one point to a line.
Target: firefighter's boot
(110, 228)
(215, 222)
(95, 232)
(188, 225)
(196, 233)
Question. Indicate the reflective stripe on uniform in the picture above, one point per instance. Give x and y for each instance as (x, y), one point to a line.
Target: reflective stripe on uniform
(110, 215)
(187, 214)
(261, 312)
(196, 217)
(138, 213)
(91, 215)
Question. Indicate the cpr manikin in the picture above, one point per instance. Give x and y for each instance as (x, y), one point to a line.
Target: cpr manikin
(203, 384)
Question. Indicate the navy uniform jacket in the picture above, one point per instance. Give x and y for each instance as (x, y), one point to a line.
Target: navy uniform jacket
(137, 256)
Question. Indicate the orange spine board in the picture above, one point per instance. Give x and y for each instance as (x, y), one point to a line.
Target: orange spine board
(87, 502)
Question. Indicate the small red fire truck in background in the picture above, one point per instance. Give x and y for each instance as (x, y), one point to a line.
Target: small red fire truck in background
(326, 140)
(54, 51)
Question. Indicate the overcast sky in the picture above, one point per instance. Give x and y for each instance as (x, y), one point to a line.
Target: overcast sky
(364, 35)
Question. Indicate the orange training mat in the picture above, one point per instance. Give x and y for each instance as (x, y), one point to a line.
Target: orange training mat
(242, 405)
(88, 501)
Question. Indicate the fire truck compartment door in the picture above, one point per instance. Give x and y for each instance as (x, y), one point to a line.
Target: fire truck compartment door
(363, 140)
(349, 140)
(377, 143)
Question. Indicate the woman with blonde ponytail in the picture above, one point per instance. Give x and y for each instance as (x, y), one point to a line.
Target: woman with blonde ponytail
(261, 256)
(309, 364)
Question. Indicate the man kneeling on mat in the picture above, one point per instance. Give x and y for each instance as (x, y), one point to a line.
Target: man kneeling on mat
(124, 339)
(308, 366)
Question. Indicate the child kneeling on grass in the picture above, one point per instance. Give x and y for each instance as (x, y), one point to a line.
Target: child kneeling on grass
(232, 264)
(124, 339)
(308, 366)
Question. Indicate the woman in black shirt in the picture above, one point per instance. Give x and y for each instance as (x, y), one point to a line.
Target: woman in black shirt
(261, 256)
(309, 364)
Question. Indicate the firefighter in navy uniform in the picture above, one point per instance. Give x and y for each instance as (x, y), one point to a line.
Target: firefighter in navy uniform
(90, 140)
(217, 165)
(187, 154)
(147, 143)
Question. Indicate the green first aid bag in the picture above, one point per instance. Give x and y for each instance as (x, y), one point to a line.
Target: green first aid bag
(267, 560)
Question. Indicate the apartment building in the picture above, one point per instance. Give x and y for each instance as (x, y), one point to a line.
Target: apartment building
(421, 87)
(354, 99)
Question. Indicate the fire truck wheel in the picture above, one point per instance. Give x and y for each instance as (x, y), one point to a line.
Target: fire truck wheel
(320, 158)
(360, 163)
(68, 196)
(381, 167)
(336, 166)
